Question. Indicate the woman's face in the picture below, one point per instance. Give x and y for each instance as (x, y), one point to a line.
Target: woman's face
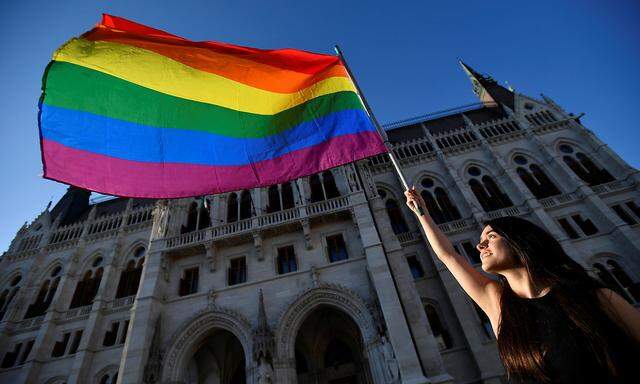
(495, 253)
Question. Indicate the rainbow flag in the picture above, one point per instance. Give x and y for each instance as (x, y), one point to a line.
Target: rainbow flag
(133, 111)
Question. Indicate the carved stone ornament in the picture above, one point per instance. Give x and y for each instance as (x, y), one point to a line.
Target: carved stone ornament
(333, 295)
(153, 368)
(193, 330)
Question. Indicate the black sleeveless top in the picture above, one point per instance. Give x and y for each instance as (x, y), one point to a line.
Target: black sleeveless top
(568, 358)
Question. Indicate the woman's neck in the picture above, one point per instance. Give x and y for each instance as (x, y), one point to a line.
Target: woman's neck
(521, 284)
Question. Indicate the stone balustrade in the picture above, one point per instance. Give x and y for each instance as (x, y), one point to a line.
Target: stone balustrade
(255, 223)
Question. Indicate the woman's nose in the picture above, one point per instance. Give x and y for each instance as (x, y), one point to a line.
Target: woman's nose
(481, 245)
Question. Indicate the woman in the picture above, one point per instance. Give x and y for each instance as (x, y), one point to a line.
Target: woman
(553, 322)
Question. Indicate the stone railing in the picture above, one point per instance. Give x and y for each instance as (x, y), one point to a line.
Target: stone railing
(105, 223)
(255, 223)
(613, 186)
(509, 211)
(328, 206)
(32, 322)
(29, 243)
(458, 225)
(66, 236)
(408, 237)
(499, 127)
(77, 312)
(123, 301)
(67, 233)
(558, 200)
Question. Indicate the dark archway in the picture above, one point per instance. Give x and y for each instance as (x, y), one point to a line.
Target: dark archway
(219, 359)
(329, 349)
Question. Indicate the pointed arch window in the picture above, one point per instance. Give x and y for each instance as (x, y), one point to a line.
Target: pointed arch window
(45, 295)
(8, 294)
(280, 197)
(488, 193)
(440, 333)
(584, 167)
(323, 187)
(130, 277)
(246, 205)
(395, 216)
(439, 205)
(535, 179)
(616, 279)
(87, 288)
(232, 208)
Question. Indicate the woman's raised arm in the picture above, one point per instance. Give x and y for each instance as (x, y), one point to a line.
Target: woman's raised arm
(484, 291)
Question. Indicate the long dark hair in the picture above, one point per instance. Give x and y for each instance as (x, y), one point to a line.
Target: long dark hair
(575, 291)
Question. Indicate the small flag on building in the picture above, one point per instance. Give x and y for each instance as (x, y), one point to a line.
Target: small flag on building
(133, 111)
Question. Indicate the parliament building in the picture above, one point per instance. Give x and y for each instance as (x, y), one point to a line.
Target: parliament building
(325, 279)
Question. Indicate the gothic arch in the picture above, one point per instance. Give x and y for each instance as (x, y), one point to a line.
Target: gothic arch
(123, 257)
(534, 158)
(572, 142)
(390, 190)
(87, 262)
(432, 175)
(60, 379)
(109, 369)
(6, 280)
(332, 295)
(194, 331)
(45, 272)
(484, 167)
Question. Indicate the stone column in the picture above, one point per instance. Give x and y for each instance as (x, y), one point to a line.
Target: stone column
(145, 311)
(398, 329)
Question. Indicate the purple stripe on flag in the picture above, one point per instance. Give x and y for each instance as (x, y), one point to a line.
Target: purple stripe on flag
(120, 177)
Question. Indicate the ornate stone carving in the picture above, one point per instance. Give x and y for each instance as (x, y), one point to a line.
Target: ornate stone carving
(153, 369)
(160, 219)
(257, 245)
(391, 370)
(333, 295)
(211, 256)
(263, 345)
(194, 329)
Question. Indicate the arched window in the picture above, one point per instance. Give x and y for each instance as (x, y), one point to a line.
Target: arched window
(323, 187)
(395, 216)
(45, 295)
(489, 195)
(449, 211)
(481, 194)
(232, 208)
(616, 279)
(192, 218)
(245, 205)
(274, 199)
(330, 187)
(317, 193)
(584, 167)
(87, 288)
(438, 203)
(500, 199)
(130, 276)
(440, 333)
(548, 188)
(286, 191)
(7, 295)
(280, 197)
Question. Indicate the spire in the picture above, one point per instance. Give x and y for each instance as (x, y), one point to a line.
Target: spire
(487, 89)
(263, 342)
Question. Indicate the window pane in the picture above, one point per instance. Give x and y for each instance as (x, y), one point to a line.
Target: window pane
(336, 248)
(568, 229)
(416, 268)
(286, 260)
(472, 252)
(586, 225)
(623, 214)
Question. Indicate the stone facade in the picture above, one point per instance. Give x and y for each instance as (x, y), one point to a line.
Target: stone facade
(327, 279)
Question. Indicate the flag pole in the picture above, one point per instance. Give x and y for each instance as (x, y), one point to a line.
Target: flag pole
(376, 124)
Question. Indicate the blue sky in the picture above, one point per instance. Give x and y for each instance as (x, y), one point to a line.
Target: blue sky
(583, 54)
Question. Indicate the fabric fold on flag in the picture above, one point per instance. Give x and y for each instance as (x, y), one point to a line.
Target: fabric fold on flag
(132, 111)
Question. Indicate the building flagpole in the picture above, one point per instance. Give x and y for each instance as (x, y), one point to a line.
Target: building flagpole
(376, 124)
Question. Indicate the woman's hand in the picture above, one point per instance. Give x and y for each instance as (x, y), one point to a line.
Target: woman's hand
(414, 200)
